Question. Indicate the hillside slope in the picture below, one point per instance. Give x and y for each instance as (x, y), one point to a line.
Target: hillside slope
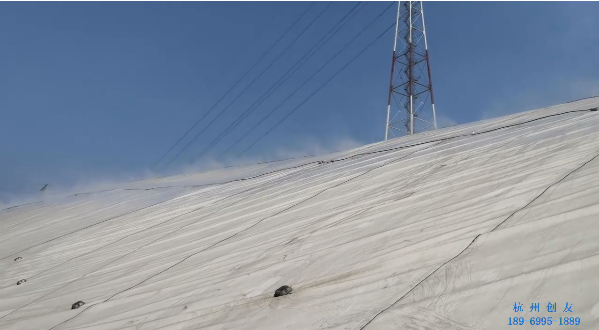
(440, 230)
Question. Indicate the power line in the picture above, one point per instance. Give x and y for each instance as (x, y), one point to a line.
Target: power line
(235, 84)
(249, 85)
(311, 77)
(303, 60)
(338, 26)
(319, 88)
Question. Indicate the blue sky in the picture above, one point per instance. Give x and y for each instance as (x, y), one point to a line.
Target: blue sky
(95, 91)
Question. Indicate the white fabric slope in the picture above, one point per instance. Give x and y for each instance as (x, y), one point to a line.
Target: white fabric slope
(440, 230)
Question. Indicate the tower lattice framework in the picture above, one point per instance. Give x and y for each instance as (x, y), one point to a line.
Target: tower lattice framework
(411, 104)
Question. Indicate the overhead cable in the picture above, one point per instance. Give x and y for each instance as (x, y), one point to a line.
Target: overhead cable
(311, 77)
(303, 60)
(248, 86)
(317, 90)
(235, 84)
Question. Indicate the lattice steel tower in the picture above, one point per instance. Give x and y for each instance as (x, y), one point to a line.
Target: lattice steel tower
(411, 105)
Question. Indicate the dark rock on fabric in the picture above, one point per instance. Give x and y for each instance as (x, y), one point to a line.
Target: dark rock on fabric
(77, 304)
(284, 290)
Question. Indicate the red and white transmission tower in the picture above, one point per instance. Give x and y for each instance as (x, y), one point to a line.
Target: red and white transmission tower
(411, 105)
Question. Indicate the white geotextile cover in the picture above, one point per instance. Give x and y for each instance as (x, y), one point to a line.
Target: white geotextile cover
(440, 230)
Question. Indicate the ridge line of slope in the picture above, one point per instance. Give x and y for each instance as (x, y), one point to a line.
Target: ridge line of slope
(368, 153)
(397, 148)
(584, 98)
(207, 184)
(356, 155)
(466, 135)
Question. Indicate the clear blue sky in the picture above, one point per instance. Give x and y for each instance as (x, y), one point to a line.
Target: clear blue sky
(100, 90)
